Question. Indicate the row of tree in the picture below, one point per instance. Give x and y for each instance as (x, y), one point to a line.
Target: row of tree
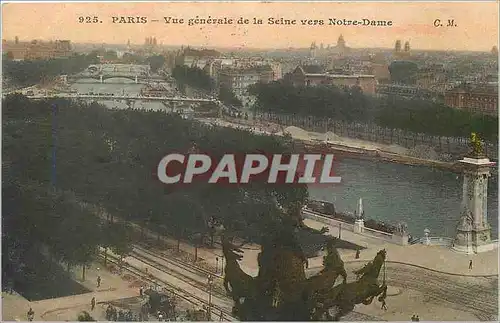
(432, 118)
(30, 72)
(351, 105)
(109, 158)
(323, 101)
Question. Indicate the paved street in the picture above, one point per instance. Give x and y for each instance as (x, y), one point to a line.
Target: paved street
(460, 295)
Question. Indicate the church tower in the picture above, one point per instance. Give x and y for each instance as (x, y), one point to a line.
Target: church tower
(397, 46)
(473, 231)
(341, 42)
(407, 46)
(312, 50)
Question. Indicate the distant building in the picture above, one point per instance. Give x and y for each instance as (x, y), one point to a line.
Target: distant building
(431, 77)
(341, 47)
(380, 71)
(239, 80)
(479, 99)
(194, 58)
(401, 54)
(36, 49)
(299, 77)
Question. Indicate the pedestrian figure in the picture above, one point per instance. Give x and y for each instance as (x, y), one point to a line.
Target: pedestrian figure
(221, 317)
(109, 313)
(141, 291)
(357, 254)
(417, 319)
(384, 305)
(92, 304)
(98, 281)
(31, 314)
(470, 264)
(115, 314)
(413, 318)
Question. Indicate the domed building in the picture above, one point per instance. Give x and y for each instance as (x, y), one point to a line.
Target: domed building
(341, 47)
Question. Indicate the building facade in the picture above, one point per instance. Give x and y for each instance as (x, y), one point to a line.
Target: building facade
(239, 80)
(37, 49)
(482, 99)
(367, 83)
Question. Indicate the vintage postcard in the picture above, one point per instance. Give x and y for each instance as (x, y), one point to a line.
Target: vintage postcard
(250, 161)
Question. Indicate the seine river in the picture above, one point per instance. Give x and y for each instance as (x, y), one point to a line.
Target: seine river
(419, 196)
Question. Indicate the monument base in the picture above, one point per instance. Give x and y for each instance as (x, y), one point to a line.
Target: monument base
(473, 241)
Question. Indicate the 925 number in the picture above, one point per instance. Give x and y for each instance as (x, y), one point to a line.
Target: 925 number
(88, 20)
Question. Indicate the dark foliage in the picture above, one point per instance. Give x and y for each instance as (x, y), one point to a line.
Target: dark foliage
(403, 72)
(192, 76)
(351, 105)
(156, 62)
(109, 158)
(228, 97)
(36, 71)
(323, 101)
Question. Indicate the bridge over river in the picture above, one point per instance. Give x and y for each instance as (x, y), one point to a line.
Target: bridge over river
(121, 97)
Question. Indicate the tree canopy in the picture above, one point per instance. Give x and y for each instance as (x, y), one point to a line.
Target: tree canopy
(156, 62)
(351, 105)
(228, 97)
(108, 158)
(404, 72)
(193, 76)
(29, 72)
(322, 101)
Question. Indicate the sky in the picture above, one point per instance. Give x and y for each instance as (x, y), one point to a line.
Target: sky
(475, 24)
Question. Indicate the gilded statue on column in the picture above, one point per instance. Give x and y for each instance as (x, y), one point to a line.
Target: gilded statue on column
(477, 146)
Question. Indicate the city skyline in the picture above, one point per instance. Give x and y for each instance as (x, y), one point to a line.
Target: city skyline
(476, 24)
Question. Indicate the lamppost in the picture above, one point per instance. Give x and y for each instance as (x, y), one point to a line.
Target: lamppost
(210, 281)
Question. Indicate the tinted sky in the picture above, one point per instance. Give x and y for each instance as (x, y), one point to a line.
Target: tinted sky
(476, 24)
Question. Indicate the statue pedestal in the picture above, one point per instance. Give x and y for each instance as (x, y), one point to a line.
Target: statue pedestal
(473, 240)
(359, 225)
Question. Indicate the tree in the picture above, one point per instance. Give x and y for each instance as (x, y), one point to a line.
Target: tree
(227, 96)
(192, 76)
(121, 235)
(156, 62)
(85, 317)
(404, 72)
(110, 178)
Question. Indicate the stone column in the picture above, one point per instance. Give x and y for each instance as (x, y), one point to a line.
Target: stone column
(473, 231)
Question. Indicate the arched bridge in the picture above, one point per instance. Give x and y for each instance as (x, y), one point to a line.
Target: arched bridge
(110, 75)
(122, 97)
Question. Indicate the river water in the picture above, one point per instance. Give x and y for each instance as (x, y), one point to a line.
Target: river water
(421, 197)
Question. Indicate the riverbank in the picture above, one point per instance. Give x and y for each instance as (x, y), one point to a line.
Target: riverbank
(343, 151)
(344, 147)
